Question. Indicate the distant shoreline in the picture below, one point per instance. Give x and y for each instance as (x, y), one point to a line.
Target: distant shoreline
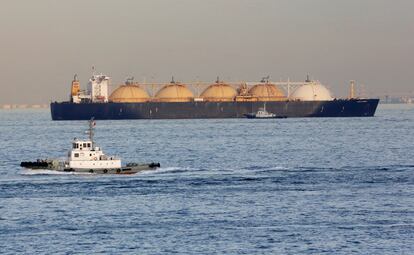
(24, 106)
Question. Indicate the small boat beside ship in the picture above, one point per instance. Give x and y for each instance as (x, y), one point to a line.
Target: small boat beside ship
(86, 157)
(263, 114)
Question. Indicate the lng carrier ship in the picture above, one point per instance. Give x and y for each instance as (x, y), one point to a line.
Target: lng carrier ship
(176, 100)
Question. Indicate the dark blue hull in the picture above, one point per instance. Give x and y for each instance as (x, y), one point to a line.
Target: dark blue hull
(194, 110)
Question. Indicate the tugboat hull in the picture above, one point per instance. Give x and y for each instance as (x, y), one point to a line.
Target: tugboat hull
(54, 165)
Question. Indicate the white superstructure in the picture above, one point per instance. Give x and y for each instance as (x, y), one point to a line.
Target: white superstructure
(80, 97)
(85, 155)
(262, 113)
(98, 88)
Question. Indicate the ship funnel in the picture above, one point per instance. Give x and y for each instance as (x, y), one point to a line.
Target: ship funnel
(75, 88)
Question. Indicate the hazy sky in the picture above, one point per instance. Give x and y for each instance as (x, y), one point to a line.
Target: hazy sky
(43, 43)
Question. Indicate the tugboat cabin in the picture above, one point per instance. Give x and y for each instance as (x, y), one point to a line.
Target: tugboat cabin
(85, 155)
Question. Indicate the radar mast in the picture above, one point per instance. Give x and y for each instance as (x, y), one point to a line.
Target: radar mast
(91, 131)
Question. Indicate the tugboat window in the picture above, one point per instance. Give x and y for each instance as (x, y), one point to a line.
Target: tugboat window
(76, 155)
(84, 145)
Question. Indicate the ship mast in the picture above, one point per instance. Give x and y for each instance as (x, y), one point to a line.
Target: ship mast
(352, 89)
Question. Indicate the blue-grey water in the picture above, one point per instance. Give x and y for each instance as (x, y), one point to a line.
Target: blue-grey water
(227, 186)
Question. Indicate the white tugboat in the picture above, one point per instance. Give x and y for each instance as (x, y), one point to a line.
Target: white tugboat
(263, 114)
(86, 157)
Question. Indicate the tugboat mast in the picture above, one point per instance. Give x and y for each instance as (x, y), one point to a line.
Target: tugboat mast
(91, 133)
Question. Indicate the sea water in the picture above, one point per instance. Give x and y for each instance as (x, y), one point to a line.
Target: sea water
(225, 186)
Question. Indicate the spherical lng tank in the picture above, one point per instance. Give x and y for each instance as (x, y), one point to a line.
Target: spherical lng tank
(219, 92)
(312, 92)
(129, 93)
(174, 92)
(267, 92)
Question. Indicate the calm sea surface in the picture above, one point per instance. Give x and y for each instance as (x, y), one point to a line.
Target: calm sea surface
(228, 186)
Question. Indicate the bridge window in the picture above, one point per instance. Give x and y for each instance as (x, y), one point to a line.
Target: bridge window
(84, 145)
(76, 155)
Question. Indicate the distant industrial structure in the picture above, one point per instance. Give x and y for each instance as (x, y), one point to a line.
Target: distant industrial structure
(388, 99)
(24, 106)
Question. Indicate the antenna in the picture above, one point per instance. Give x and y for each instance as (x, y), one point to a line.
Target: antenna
(91, 132)
(218, 79)
(93, 70)
(75, 77)
(172, 80)
(307, 78)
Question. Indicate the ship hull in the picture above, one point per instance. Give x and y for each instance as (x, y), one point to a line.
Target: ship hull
(206, 110)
